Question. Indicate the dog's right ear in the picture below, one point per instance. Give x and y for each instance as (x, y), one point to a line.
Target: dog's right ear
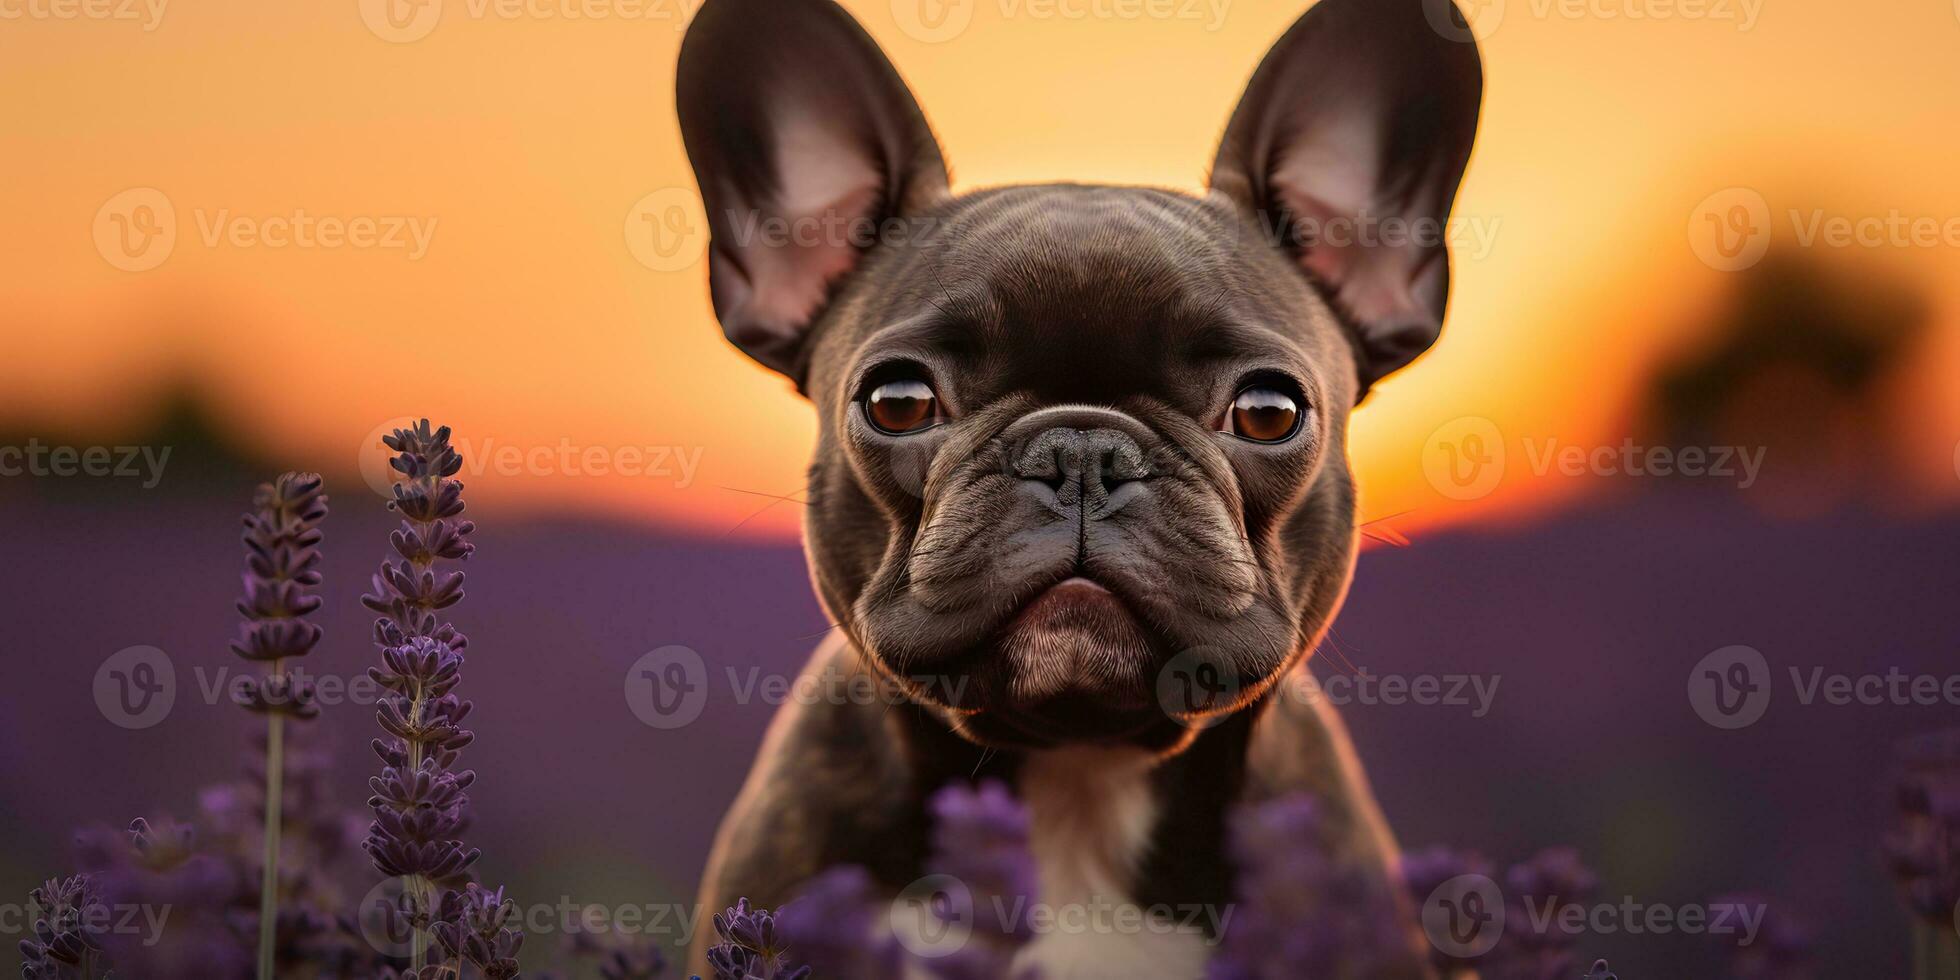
(804, 141)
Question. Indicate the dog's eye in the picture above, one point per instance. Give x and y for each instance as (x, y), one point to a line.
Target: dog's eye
(1263, 413)
(898, 407)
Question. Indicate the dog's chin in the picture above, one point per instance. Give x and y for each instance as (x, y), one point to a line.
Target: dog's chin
(1075, 666)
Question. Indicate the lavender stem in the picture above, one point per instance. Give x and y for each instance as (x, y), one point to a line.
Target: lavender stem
(275, 793)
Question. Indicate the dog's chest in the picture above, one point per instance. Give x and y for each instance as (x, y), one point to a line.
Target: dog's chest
(1092, 816)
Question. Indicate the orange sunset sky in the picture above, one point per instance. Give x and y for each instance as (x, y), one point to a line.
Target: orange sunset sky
(526, 140)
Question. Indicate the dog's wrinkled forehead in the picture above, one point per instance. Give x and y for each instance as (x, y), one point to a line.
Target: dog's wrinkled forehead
(1085, 293)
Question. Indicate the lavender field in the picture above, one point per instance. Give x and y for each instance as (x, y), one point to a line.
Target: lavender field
(1565, 648)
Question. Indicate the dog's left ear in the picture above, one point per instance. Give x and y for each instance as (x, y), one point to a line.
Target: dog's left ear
(1349, 145)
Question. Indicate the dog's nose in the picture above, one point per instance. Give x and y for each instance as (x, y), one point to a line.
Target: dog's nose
(1084, 466)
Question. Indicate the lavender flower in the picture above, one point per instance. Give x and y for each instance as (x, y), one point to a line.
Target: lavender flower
(420, 802)
(1301, 911)
(282, 537)
(1923, 848)
(838, 926)
(1924, 845)
(980, 836)
(1535, 892)
(473, 928)
(617, 956)
(750, 948)
(1779, 950)
(170, 897)
(640, 962)
(1423, 872)
(67, 914)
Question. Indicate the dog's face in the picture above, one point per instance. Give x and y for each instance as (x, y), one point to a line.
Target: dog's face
(1073, 436)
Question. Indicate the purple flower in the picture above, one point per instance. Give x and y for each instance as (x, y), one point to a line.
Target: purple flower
(420, 801)
(639, 962)
(1301, 911)
(1778, 950)
(170, 897)
(1425, 871)
(282, 555)
(67, 914)
(750, 949)
(1923, 847)
(1537, 942)
(838, 926)
(473, 927)
(980, 838)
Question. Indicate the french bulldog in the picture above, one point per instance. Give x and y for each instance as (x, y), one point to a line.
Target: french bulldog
(1075, 442)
